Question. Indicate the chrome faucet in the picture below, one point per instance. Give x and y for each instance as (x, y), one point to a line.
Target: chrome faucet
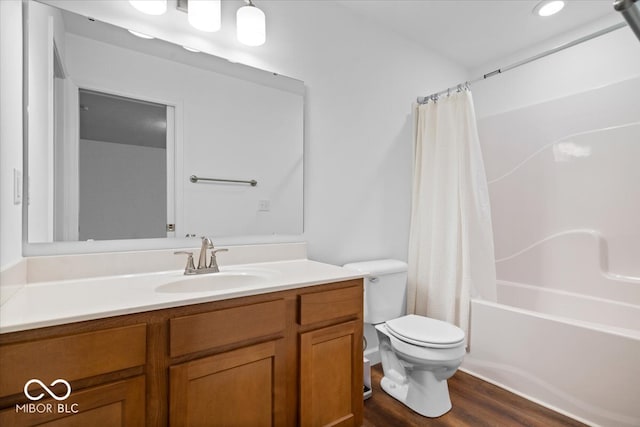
(206, 244)
(203, 267)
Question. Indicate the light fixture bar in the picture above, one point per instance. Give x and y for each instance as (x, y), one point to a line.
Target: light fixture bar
(182, 5)
(250, 22)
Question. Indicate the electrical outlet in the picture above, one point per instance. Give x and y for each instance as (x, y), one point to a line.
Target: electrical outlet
(264, 205)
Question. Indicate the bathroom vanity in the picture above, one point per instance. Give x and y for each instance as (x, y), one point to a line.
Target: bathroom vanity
(277, 353)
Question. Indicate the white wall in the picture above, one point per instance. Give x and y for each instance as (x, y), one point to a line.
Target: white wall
(10, 129)
(361, 82)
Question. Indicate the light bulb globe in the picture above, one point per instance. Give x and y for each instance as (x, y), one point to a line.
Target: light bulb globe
(251, 26)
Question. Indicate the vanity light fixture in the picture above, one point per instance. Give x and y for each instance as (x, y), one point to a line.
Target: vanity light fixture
(204, 15)
(548, 8)
(251, 25)
(150, 7)
(141, 35)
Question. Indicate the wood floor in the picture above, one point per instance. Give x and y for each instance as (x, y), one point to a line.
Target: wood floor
(475, 403)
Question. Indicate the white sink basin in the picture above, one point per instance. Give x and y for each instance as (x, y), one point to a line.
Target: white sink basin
(228, 279)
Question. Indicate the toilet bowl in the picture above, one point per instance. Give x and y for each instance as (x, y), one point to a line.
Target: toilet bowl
(416, 367)
(418, 354)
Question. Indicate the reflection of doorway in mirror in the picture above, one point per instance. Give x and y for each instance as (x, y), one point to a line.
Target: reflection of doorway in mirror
(122, 172)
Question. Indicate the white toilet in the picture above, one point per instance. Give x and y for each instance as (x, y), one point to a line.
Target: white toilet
(418, 354)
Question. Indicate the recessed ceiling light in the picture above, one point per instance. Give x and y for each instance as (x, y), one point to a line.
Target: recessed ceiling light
(190, 49)
(548, 8)
(141, 35)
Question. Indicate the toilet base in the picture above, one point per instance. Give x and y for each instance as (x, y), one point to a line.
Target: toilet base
(425, 394)
(398, 392)
(417, 376)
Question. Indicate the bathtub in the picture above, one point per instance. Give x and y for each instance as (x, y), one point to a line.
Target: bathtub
(565, 328)
(576, 354)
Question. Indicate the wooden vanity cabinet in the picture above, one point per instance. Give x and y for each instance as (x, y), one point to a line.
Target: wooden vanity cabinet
(331, 372)
(241, 386)
(289, 358)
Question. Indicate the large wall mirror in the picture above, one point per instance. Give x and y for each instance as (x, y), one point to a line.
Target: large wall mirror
(118, 126)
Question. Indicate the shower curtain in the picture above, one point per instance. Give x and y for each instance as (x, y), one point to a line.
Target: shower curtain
(451, 254)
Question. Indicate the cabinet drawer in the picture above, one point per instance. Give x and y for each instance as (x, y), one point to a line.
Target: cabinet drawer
(198, 332)
(334, 304)
(71, 357)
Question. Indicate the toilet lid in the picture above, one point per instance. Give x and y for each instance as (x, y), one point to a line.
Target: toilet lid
(425, 332)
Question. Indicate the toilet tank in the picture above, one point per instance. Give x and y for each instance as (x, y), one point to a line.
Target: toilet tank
(385, 288)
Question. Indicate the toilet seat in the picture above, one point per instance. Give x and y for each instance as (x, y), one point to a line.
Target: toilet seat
(425, 332)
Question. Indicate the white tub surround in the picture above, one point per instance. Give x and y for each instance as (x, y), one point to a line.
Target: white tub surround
(584, 366)
(565, 331)
(74, 296)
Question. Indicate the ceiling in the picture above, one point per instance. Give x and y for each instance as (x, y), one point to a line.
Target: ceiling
(475, 32)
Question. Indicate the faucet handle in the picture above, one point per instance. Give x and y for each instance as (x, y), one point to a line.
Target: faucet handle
(213, 262)
(190, 264)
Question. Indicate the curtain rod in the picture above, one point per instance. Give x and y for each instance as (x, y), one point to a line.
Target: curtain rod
(435, 96)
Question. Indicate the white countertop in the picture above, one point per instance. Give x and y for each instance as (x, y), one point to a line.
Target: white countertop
(42, 304)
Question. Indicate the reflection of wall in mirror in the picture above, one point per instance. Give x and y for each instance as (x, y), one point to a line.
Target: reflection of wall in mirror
(230, 128)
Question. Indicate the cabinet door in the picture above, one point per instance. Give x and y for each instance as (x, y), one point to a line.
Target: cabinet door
(116, 404)
(243, 387)
(331, 376)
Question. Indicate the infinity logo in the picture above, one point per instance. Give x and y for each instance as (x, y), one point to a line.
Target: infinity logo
(47, 389)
